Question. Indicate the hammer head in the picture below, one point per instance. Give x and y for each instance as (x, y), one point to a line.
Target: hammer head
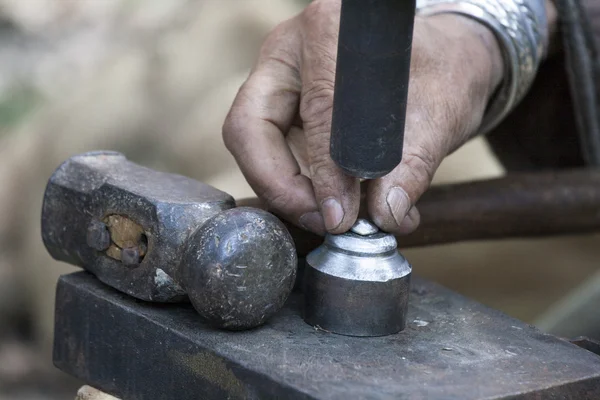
(239, 268)
(163, 237)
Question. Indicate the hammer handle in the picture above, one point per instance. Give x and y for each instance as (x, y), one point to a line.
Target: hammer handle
(371, 85)
(517, 205)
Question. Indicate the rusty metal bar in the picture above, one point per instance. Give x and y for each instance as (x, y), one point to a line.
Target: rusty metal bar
(517, 205)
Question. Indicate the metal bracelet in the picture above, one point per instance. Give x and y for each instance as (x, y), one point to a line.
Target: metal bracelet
(520, 27)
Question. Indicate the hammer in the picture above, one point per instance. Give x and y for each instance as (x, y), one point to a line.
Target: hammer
(167, 238)
(357, 283)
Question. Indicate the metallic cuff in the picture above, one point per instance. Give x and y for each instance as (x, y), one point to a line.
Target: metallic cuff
(521, 29)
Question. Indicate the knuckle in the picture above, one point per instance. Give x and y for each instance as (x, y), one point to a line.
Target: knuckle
(280, 45)
(276, 198)
(320, 22)
(317, 102)
(231, 129)
(317, 9)
(320, 169)
(280, 30)
(235, 125)
(271, 41)
(227, 133)
(323, 58)
(313, 11)
(422, 165)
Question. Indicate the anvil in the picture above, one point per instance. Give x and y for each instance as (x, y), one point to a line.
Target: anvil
(452, 348)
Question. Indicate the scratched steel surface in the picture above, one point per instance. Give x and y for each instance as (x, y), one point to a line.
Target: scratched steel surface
(453, 348)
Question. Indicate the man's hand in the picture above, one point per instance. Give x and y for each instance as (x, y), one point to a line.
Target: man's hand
(278, 128)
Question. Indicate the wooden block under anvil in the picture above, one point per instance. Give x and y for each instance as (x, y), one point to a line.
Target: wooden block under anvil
(452, 348)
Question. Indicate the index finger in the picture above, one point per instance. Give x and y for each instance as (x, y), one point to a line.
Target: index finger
(254, 133)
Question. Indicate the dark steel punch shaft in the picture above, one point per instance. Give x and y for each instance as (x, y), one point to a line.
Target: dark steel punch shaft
(371, 85)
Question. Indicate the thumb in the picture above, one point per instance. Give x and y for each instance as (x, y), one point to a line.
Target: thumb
(391, 199)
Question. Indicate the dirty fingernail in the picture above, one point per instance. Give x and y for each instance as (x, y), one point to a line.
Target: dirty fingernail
(410, 222)
(399, 204)
(333, 214)
(313, 221)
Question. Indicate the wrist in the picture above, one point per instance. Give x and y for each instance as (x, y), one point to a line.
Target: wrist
(521, 29)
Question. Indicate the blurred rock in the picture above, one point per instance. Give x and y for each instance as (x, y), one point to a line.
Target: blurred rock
(24, 375)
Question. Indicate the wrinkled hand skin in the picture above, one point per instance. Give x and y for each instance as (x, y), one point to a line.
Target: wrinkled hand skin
(278, 128)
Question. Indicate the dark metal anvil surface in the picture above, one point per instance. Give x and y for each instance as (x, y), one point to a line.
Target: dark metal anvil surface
(453, 348)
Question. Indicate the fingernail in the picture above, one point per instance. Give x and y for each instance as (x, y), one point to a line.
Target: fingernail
(313, 221)
(410, 222)
(333, 214)
(399, 204)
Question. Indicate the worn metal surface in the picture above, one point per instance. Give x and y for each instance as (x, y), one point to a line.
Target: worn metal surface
(166, 238)
(357, 284)
(452, 348)
(240, 268)
(371, 85)
(89, 188)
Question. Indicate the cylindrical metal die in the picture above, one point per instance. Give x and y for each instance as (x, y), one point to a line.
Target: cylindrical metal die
(357, 284)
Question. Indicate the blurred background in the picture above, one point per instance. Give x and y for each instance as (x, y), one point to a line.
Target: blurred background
(154, 79)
